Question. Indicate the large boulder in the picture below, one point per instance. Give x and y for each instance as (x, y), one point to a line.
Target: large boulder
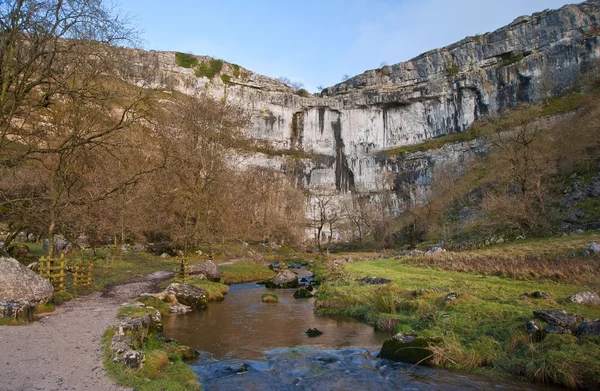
(584, 298)
(558, 317)
(189, 295)
(285, 279)
(208, 269)
(61, 244)
(18, 283)
(406, 348)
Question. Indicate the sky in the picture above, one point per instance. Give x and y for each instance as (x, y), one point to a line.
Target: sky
(316, 42)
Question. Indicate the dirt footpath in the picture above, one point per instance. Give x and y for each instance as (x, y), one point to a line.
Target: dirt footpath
(62, 351)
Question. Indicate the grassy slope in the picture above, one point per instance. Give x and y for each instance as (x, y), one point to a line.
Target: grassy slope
(245, 272)
(484, 328)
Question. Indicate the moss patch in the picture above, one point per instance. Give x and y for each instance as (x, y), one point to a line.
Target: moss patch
(185, 60)
(164, 368)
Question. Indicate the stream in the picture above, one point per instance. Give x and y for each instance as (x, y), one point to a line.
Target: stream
(249, 345)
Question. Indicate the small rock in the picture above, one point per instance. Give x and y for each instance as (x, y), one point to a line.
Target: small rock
(558, 317)
(374, 280)
(541, 295)
(585, 253)
(594, 248)
(164, 255)
(302, 293)
(313, 332)
(589, 329)
(584, 298)
(552, 329)
(452, 296)
(189, 295)
(572, 255)
(406, 348)
(532, 327)
(285, 279)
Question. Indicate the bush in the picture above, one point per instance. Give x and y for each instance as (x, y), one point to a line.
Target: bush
(209, 70)
(185, 60)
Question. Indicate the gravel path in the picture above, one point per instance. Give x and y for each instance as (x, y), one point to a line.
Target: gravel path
(62, 351)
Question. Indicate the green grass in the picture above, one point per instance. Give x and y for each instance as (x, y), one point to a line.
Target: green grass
(484, 327)
(186, 60)
(134, 312)
(216, 291)
(226, 79)
(245, 272)
(210, 69)
(164, 368)
(236, 70)
(160, 305)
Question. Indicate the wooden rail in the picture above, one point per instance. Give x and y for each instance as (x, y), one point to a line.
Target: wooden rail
(83, 274)
(184, 270)
(54, 270)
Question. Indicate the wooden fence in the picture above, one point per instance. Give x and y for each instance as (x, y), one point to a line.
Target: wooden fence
(54, 270)
(83, 274)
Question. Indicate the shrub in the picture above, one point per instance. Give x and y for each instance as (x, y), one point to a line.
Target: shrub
(209, 70)
(302, 92)
(226, 79)
(270, 298)
(236, 70)
(185, 60)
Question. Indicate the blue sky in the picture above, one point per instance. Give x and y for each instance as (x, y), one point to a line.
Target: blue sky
(318, 41)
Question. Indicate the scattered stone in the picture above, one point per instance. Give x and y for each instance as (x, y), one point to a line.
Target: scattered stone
(406, 348)
(584, 298)
(434, 251)
(302, 293)
(31, 238)
(374, 280)
(189, 295)
(535, 295)
(553, 329)
(585, 253)
(46, 245)
(208, 269)
(532, 327)
(452, 296)
(589, 329)
(558, 317)
(269, 298)
(285, 279)
(572, 255)
(139, 247)
(164, 255)
(420, 292)
(313, 332)
(16, 309)
(594, 248)
(82, 242)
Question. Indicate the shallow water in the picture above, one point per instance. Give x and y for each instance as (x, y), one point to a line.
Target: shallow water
(242, 326)
(250, 345)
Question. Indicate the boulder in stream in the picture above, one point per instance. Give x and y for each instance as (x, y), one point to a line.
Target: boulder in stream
(313, 332)
(302, 293)
(285, 279)
(406, 348)
(189, 295)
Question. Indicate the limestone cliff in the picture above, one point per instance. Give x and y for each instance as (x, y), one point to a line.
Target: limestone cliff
(437, 93)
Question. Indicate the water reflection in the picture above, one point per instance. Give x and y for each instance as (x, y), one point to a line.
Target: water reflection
(243, 326)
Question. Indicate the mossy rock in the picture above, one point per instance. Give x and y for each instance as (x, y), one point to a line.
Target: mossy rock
(302, 293)
(407, 348)
(270, 298)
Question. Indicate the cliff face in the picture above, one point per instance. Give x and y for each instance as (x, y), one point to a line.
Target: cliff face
(437, 93)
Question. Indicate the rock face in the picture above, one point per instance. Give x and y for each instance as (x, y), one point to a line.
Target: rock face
(130, 335)
(189, 295)
(344, 130)
(584, 298)
(18, 283)
(406, 348)
(208, 269)
(285, 279)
